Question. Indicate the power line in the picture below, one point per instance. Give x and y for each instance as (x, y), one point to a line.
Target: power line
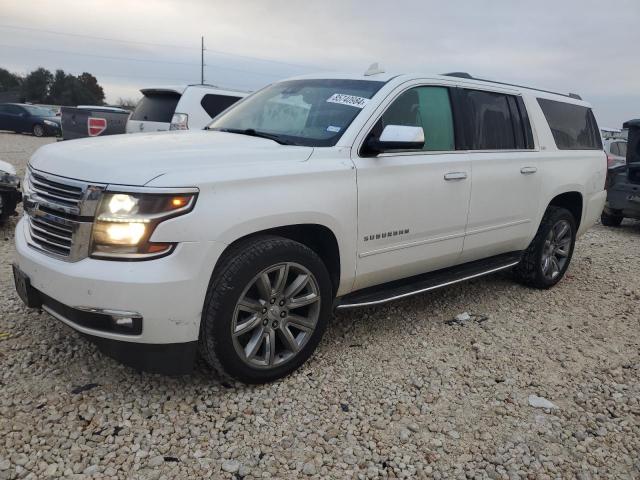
(130, 59)
(106, 39)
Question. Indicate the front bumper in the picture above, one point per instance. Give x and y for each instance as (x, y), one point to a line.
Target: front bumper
(52, 130)
(167, 293)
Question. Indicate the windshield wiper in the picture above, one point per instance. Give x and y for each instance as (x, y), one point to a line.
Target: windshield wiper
(254, 133)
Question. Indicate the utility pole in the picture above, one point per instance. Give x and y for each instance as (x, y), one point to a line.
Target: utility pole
(202, 61)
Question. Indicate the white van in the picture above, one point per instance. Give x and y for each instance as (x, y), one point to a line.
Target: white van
(189, 107)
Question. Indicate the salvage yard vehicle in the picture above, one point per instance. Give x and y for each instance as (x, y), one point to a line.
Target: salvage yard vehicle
(26, 118)
(616, 150)
(92, 121)
(188, 107)
(10, 194)
(313, 194)
(623, 182)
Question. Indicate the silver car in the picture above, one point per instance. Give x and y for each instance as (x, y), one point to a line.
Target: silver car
(616, 149)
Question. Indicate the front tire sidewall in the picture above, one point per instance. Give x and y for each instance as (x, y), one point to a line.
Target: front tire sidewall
(220, 307)
(542, 280)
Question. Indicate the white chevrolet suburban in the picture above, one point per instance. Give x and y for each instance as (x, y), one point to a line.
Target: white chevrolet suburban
(237, 242)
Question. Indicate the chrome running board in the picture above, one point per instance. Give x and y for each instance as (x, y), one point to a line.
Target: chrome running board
(408, 287)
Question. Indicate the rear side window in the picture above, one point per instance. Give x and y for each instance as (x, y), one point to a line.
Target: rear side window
(496, 121)
(156, 107)
(426, 107)
(214, 104)
(573, 126)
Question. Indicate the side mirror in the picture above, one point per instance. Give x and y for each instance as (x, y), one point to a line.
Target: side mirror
(397, 137)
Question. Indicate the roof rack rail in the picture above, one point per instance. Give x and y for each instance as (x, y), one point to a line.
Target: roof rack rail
(469, 77)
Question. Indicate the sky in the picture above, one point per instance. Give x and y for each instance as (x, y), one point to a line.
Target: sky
(580, 46)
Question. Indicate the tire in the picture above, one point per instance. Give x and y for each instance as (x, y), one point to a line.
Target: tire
(7, 207)
(533, 269)
(38, 130)
(609, 220)
(260, 322)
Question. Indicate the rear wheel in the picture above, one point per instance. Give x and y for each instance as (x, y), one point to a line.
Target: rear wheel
(609, 220)
(547, 258)
(38, 130)
(266, 309)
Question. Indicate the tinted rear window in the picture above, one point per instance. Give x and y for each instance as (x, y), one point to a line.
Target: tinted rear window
(496, 122)
(156, 107)
(214, 104)
(573, 126)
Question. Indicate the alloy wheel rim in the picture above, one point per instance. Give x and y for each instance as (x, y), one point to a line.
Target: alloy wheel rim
(276, 315)
(555, 251)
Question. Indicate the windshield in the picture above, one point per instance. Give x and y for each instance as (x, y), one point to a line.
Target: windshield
(39, 111)
(300, 112)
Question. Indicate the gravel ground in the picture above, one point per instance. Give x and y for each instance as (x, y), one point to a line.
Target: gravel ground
(392, 392)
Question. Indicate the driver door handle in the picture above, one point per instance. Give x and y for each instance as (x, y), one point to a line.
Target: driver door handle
(455, 176)
(528, 170)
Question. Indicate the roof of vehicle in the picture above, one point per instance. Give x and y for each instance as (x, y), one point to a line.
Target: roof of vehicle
(30, 105)
(180, 89)
(22, 104)
(461, 77)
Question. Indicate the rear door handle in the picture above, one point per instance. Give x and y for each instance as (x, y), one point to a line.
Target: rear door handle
(528, 170)
(455, 176)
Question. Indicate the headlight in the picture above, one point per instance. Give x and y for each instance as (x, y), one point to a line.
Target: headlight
(50, 123)
(125, 222)
(9, 180)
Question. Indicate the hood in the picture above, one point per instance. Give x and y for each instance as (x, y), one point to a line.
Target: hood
(7, 168)
(136, 159)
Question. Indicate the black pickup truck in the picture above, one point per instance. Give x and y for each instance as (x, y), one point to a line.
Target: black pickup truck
(92, 121)
(623, 182)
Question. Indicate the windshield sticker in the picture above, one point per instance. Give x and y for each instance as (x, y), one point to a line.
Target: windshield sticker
(351, 100)
(333, 129)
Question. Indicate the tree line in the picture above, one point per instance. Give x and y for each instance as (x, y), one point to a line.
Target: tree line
(59, 88)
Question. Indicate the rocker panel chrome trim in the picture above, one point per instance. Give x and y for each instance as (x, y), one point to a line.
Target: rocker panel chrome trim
(422, 290)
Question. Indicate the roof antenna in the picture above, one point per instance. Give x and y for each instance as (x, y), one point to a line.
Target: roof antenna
(374, 69)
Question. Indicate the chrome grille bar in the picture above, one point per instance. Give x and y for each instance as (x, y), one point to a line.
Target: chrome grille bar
(60, 214)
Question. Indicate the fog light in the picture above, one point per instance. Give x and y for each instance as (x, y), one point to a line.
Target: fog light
(124, 322)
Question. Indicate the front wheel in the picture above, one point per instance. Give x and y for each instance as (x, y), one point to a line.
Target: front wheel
(547, 258)
(38, 130)
(267, 307)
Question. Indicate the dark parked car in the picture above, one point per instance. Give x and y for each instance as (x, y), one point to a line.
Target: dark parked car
(20, 117)
(623, 182)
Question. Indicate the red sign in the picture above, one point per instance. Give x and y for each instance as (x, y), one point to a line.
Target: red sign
(96, 126)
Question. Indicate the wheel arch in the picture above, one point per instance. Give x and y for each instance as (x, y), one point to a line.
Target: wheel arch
(572, 201)
(319, 238)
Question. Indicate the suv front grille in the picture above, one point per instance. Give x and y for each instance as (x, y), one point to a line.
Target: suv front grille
(60, 214)
(51, 236)
(53, 191)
